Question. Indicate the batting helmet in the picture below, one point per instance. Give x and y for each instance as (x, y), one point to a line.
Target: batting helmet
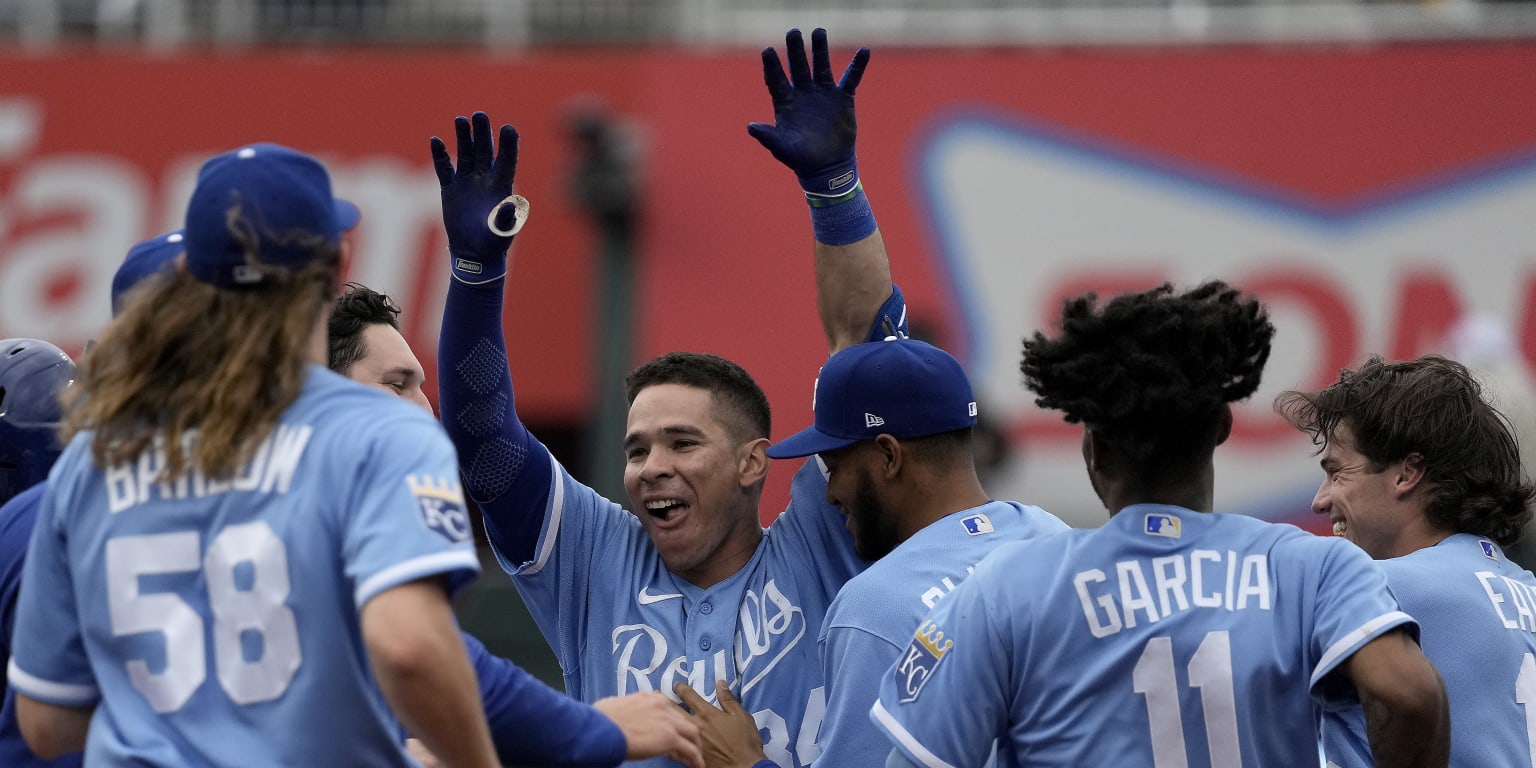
(32, 374)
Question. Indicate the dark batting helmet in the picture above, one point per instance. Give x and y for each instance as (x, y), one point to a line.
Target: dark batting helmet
(32, 374)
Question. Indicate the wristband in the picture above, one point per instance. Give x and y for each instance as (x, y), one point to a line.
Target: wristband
(847, 220)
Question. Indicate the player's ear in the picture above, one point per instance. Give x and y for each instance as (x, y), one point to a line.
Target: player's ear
(1224, 426)
(891, 455)
(752, 464)
(1409, 474)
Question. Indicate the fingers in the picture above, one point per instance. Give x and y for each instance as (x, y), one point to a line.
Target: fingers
(441, 163)
(688, 753)
(506, 159)
(766, 135)
(727, 700)
(794, 50)
(821, 63)
(466, 148)
(690, 698)
(854, 73)
(482, 142)
(773, 77)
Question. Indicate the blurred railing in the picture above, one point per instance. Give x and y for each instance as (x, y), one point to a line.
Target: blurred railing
(515, 23)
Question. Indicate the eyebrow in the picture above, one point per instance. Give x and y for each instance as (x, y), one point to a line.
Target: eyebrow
(675, 430)
(410, 374)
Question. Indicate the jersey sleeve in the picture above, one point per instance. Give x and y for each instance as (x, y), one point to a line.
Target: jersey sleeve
(48, 660)
(850, 659)
(406, 519)
(945, 700)
(1351, 607)
(568, 732)
(16, 520)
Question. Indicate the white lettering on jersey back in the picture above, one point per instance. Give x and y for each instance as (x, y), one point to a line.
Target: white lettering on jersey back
(1200, 579)
(945, 586)
(1513, 602)
(270, 469)
(769, 627)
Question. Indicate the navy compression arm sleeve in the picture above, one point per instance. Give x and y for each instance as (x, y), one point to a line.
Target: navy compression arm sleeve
(506, 470)
(532, 723)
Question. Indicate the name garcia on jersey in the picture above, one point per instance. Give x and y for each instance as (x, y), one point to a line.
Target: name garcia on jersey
(270, 470)
(1151, 590)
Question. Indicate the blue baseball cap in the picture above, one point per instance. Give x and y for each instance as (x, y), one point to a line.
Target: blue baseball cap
(278, 197)
(898, 387)
(145, 258)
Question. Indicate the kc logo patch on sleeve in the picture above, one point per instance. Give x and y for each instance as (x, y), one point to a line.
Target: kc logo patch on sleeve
(442, 506)
(921, 658)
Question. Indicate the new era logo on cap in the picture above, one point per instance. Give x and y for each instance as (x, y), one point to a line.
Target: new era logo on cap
(899, 387)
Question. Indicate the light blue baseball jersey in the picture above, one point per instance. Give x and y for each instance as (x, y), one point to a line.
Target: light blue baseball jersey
(217, 622)
(1164, 638)
(872, 619)
(1477, 618)
(618, 621)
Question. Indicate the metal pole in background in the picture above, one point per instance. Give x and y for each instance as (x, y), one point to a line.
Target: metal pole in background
(604, 186)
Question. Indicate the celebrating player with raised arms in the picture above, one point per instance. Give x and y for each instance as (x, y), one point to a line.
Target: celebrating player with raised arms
(690, 587)
(243, 558)
(1171, 636)
(1425, 476)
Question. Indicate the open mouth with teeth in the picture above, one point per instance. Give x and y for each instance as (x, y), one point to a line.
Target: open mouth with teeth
(1340, 527)
(663, 510)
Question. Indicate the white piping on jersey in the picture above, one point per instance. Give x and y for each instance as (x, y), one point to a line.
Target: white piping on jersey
(552, 530)
(906, 740)
(1347, 644)
(39, 688)
(412, 569)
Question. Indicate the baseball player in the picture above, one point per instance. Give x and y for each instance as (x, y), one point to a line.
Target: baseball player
(1171, 636)
(366, 346)
(238, 543)
(893, 428)
(1425, 476)
(689, 587)
(32, 375)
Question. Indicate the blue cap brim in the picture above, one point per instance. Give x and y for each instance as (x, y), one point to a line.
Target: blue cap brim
(347, 215)
(806, 442)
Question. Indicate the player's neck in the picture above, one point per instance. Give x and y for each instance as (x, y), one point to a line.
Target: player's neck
(1193, 490)
(929, 502)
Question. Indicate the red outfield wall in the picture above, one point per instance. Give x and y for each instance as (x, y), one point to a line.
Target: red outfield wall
(1371, 194)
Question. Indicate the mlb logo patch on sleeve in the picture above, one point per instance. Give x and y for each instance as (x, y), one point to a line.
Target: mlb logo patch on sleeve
(441, 503)
(918, 662)
(976, 525)
(1166, 526)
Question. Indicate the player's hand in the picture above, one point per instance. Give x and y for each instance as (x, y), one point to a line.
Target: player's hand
(729, 735)
(813, 127)
(480, 184)
(653, 726)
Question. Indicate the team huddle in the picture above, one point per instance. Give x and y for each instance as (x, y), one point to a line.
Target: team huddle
(245, 549)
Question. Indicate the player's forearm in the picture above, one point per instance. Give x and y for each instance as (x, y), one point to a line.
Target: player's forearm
(52, 730)
(1410, 733)
(852, 282)
(419, 660)
(569, 732)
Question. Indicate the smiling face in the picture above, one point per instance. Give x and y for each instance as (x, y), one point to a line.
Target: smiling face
(692, 482)
(389, 364)
(1359, 499)
(851, 488)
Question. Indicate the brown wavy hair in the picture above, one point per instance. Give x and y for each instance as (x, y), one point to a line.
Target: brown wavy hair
(1433, 407)
(185, 355)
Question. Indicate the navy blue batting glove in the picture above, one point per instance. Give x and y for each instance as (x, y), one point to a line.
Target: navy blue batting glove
(813, 127)
(479, 210)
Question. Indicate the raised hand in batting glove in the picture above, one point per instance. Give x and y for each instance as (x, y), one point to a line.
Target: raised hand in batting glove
(813, 127)
(479, 210)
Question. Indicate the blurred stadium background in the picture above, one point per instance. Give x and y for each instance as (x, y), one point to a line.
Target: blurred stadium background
(1369, 169)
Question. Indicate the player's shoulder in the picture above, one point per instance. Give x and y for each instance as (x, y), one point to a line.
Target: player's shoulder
(332, 398)
(1426, 570)
(1029, 519)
